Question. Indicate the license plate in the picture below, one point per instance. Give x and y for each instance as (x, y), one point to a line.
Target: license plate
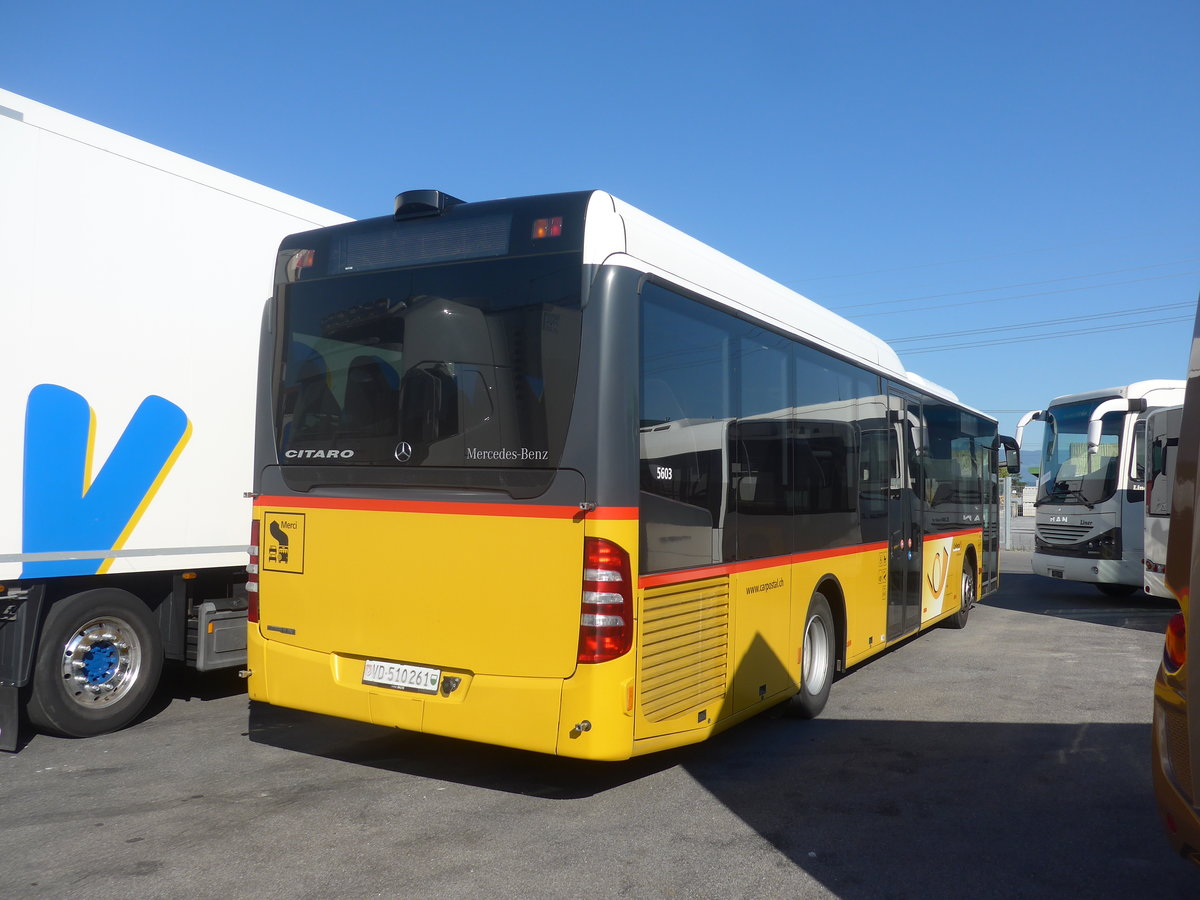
(1056, 573)
(401, 676)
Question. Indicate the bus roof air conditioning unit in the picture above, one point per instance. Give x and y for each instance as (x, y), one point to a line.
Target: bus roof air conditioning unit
(413, 204)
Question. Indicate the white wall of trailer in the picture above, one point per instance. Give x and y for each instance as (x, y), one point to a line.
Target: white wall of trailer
(130, 271)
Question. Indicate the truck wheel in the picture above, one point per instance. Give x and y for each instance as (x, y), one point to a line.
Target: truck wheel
(98, 664)
(959, 619)
(818, 656)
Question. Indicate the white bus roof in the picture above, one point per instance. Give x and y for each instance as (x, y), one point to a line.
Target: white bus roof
(1135, 391)
(615, 230)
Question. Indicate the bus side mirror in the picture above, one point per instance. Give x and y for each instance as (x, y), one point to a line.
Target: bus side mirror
(1012, 454)
(1034, 415)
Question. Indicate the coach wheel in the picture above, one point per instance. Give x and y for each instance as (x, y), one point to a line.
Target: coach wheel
(959, 619)
(1116, 590)
(818, 656)
(98, 664)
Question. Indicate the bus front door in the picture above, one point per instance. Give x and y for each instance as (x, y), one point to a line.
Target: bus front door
(905, 532)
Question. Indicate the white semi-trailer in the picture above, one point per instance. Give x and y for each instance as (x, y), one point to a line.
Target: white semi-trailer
(132, 283)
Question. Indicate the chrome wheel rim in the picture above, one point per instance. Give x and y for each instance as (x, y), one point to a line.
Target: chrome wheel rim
(968, 588)
(101, 662)
(815, 670)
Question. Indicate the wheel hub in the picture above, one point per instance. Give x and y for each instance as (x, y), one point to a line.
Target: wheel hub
(101, 662)
(815, 667)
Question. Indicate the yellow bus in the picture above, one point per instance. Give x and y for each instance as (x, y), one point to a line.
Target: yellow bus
(1176, 732)
(547, 473)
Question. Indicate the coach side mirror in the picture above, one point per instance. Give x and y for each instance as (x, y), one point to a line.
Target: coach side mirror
(1011, 458)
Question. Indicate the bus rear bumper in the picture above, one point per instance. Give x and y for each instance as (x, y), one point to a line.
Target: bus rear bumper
(1155, 584)
(519, 712)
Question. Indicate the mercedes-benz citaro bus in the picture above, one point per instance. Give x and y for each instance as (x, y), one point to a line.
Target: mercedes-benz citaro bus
(550, 474)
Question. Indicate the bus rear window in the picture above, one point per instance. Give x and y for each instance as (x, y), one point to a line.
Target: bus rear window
(469, 365)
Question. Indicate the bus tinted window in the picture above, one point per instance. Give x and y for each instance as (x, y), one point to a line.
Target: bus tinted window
(840, 452)
(956, 465)
(752, 444)
(471, 365)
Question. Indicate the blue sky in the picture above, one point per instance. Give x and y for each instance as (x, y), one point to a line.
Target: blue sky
(926, 168)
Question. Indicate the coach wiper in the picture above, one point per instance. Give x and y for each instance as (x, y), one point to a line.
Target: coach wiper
(1062, 489)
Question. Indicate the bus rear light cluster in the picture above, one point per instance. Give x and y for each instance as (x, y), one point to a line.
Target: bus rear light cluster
(606, 617)
(252, 574)
(1175, 649)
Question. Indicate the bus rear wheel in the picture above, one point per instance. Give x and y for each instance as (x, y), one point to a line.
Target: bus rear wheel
(969, 593)
(818, 657)
(98, 664)
(1116, 590)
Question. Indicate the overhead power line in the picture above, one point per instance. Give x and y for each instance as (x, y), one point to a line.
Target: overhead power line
(1045, 322)
(1021, 284)
(1046, 337)
(1176, 231)
(1089, 287)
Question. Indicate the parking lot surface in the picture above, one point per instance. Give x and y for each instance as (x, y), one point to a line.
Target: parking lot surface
(1008, 760)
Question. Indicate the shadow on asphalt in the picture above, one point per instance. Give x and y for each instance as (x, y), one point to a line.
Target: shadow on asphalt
(178, 683)
(870, 809)
(181, 683)
(1042, 596)
(446, 759)
(876, 809)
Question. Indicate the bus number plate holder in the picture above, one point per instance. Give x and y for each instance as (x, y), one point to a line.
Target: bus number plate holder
(401, 676)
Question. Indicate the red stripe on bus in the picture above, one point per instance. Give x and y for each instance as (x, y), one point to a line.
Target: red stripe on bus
(452, 508)
(953, 534)
(666, 578)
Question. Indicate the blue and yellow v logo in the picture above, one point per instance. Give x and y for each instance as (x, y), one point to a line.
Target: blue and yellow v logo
(65, 510)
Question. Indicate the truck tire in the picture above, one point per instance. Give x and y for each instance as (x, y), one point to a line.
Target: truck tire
(98, 664)
(818, 657)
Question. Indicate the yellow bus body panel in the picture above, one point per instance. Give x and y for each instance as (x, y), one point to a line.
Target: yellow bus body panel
(942, 570)
(480, 594)
(519, 575)
(719, 648)
(500, 612)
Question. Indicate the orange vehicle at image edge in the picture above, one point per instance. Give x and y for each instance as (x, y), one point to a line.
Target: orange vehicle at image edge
(1176, 726)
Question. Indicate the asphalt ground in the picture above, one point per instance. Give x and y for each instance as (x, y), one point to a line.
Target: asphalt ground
(1008, 760)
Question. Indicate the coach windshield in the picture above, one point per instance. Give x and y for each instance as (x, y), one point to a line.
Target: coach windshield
(1071, 472)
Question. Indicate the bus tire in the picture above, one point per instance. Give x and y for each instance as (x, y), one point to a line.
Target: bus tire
(818, 658)
(968, 594)
(98, 664)
(1116, 590)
